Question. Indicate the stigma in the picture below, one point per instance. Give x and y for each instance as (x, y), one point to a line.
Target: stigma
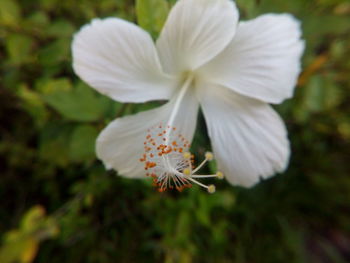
(168, 161)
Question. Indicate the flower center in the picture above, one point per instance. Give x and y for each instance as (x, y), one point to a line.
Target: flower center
(168, 161)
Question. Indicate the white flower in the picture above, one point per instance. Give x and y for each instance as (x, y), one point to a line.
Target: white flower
(205, 57)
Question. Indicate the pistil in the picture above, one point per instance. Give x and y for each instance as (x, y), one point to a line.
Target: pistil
(177, 103)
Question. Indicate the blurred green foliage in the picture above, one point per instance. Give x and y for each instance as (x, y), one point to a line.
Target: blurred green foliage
(50, 120)
(151, 15)
(21, 245)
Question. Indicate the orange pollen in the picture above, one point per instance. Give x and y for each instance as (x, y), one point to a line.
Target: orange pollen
(150, 165)
(165, 162)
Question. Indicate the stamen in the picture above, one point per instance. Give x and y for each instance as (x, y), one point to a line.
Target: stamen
(211, 189)
(171, 164)
(204, 176)
(187, 171)
(187, 155)
(220, 175)
(208, 157)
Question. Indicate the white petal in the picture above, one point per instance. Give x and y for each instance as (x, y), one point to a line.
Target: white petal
(195, 32)
(248, 137)
(120, 144)
(119, 59)
(262, 61)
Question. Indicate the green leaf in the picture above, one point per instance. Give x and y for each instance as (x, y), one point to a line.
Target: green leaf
(331, 26)
(53, 143)
(33, 104)
(32, 219)
(82, 143)
(313, 95)
(78, 104)
(54, 53)
(51, 86)
(36, 22)
(18, 47)
(344, 128)
(10, 12)
(22, 244)
(247, 8)
(61, 28)
(321, 94)
(151, 15)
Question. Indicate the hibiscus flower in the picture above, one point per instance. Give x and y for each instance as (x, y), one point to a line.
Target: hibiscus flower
(203, 58)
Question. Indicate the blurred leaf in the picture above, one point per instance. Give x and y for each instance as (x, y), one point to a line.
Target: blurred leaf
(82, 143)
(321, 94)
(18, 48)
(247, 8)
(49, 5)
(36, 22)
(151, 15)
(331, 26)
(344, 128)
(54, 53)
(21, 249)
(293, 241)
(32, 218)
(53, 143)
(182, 227)
(33, 104)
(10, 12)
(49, 86)
(277, 6)
(338, 49)
(88, 200)
(327, 3)
(30, 250)
(61, 28)
(21, 245)
(313, 95)
(80, 103)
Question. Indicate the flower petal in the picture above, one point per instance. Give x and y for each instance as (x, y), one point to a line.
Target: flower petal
(195, 32)
(262, 61)
(119, 59)
(248, 137)
(120, 144)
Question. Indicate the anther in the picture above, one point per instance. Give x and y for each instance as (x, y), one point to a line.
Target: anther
(187, 155)
(211, 189)
(209, 156)
(187, 171)
(220, 175)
